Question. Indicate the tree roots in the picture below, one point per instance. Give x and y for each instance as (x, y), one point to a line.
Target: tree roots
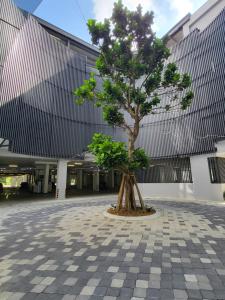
(126, 196)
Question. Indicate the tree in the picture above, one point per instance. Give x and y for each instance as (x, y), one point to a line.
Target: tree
(136, 81)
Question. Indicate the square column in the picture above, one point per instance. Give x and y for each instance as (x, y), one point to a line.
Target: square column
(46, 179)
(96, 182)
(111, 183)
(61, 179)
(79, 179)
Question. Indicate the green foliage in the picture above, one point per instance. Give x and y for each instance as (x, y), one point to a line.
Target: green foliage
(139, 160)
(146, 109)
(112, 154)
(112, 115)
(135, 80)
(86, 91)
(173, 78)
(109, 154)
(186, 100)
(131, 65)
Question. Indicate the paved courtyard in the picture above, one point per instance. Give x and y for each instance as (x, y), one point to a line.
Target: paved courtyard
(69, 250)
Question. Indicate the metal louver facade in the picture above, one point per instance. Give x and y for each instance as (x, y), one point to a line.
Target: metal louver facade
(195, 131)
(38, 73)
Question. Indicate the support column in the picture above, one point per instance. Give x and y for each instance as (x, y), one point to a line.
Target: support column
(68, 180)
(61, 179)
(96, 182)
(79, 179)
(85, 179)
(46, 179)
(111, 183)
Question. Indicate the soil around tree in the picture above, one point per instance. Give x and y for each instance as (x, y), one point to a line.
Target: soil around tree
(139, 212)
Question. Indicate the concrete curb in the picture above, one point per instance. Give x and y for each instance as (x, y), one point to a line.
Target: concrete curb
(142, 218)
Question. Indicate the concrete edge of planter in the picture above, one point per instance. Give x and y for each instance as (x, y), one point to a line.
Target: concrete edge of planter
(142, 218)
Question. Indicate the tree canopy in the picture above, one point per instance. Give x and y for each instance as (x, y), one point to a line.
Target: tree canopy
(135, 79)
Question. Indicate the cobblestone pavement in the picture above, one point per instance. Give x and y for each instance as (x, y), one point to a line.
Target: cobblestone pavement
(69, 250)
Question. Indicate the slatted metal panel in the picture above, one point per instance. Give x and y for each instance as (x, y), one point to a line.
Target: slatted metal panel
(175, 170)
(38, 114)
(217, 169)
(195, 130)
(38, 111)
(11, 14)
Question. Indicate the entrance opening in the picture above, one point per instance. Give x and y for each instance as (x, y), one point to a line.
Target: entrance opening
(85, 178)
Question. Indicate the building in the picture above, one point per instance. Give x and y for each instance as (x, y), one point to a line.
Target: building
(41, 127)
(188, 146)
(43, 133)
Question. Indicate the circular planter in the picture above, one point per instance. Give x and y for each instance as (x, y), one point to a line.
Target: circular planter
(139, 218)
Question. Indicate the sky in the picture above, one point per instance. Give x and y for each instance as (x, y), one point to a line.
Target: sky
(72, 15)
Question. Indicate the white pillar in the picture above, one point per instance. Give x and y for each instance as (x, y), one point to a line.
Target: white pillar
(61, 179)
(96, 182)
(46, 178)
(79, 179)
(203, 189)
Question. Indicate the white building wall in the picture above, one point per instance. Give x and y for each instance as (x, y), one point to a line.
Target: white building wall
(204, 16)
(167, 190)
(200, 189)
(220, 146)
(202, 186)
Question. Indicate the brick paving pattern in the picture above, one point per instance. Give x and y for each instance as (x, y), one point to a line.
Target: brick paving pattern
(69, 251)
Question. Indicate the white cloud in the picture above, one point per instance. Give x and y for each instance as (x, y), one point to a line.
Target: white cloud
(167, 12)
(181, 8)
(103, 8)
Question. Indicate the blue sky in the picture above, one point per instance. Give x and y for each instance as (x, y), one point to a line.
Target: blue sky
(71, 15)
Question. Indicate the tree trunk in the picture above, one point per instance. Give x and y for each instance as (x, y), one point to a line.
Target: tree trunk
(126, 196)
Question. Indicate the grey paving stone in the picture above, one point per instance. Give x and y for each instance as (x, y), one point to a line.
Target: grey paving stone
(70, 281)
(83, 297)
(166, 293)
(66, 250)
(93, 282)
(100, 291)
(208, 294)
(115, 292)
(117, 283)
(29, 296)
(69, 297)
(151, 293)
(180, 294)
(139, 292)
(195, 294)
(129, 283)
(126, 292)
(87, 290)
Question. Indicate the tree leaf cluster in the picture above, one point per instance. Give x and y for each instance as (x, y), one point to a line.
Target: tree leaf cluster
(111, 154)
